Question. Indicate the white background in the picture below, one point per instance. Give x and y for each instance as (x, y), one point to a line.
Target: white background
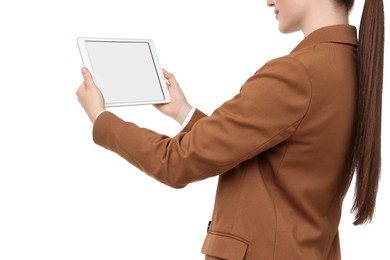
(63, 197)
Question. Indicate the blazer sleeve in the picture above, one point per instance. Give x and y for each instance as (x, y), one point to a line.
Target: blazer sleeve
(267, 111)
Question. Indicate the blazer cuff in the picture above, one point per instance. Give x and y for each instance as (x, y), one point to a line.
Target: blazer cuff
(188, 118)
(197, 114)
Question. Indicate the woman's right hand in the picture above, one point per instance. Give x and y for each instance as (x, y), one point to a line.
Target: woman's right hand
(178, 108)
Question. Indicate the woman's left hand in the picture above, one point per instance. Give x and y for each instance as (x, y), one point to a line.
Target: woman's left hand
(178, 108)
(90, 97)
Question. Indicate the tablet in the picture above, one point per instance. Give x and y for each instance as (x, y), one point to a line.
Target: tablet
(126, 71)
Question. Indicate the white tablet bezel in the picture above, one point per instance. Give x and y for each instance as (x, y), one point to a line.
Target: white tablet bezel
(81, 41)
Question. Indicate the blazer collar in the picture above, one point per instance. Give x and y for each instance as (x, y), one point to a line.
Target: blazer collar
(344, 34)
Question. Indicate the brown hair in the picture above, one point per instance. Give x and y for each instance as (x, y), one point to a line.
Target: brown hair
(367, 143)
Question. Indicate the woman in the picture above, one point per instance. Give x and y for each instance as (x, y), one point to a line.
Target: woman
(285, 148)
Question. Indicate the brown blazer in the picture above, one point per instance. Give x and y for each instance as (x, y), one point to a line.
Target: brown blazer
(281, 147)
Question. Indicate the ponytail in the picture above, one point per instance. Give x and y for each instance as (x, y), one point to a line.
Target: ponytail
(367, 143)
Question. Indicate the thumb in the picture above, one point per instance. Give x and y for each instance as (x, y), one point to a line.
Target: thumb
(170, 77)
(87, 76)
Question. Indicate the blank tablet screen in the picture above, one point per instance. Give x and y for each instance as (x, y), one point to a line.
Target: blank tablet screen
(126, 72)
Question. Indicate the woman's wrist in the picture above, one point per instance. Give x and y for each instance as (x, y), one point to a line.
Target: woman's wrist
(183, 112)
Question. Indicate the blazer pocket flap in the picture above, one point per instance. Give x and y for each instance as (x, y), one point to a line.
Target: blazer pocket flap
(224, 246)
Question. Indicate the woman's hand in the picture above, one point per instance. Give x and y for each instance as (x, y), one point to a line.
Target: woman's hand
(178, 108)
(90, 97)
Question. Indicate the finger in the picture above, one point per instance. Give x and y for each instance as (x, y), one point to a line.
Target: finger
(166, 74)
(170, 77)
(80, 90)
(87, 76)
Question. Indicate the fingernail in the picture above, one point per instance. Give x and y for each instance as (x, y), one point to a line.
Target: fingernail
(84, 70)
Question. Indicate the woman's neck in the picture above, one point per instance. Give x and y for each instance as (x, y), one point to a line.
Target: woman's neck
(326, 14)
